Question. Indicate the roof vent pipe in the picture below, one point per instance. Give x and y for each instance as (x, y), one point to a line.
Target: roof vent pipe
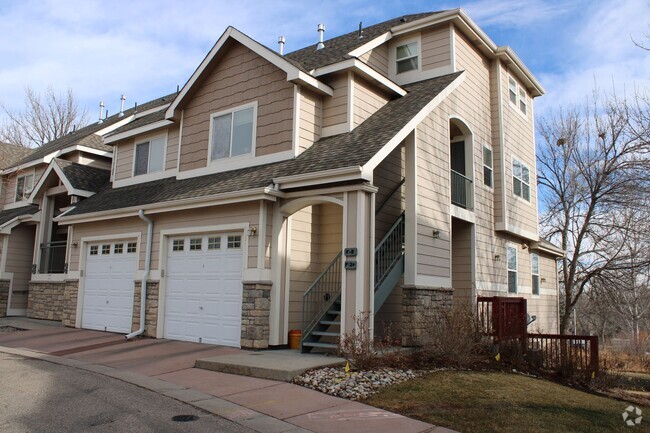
(281, 42)
(360, 29)
(101, 112)
(321, 34)
(122, 99)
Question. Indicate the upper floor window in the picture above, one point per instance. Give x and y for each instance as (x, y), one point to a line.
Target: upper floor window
(232, 133)
(149, 156)
(512, 269)
(521, 179)
(534, 267)
(487, 166)
(517, 95)
(406, 57)
(24, 186)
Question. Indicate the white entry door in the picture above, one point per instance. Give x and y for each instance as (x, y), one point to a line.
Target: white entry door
(204, 289)
(109, 284)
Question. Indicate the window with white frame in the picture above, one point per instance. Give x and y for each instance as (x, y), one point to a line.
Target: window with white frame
(214, 243)
(521, 179)
(24, 186)
(406, 57)
(149, 156)
(517, 95)
(234, 241)
(512, 90)
(131, 247)
(232, 133)
(534, 267)
(196, 244)
(512, 269)
(522, 100)
(487, 166)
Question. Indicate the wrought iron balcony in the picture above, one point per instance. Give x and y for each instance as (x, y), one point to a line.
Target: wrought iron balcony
(53, 257)
(461, 191)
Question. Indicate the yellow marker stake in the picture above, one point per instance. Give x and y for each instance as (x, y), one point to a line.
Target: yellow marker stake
(347, 368)
(498, 357)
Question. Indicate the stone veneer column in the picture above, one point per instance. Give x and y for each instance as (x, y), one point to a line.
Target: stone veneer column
(46, 300)
(151, 308)
(4, 297)
(420, 306)
(70, 294)
(256, 306)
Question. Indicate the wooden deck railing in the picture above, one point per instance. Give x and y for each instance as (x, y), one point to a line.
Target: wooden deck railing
(573, 352)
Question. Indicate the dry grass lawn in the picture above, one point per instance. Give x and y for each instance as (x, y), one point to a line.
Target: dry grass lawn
(483, 402)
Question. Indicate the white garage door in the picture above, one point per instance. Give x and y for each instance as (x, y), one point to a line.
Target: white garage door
(204, 289)
(108, 289)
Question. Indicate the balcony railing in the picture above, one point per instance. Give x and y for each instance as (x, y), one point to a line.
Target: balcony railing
(53, 257)
(461, 190)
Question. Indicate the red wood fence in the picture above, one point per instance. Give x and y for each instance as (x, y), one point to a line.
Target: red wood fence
(502, 318)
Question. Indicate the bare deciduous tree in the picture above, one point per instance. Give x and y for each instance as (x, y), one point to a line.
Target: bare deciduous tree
(45, 118)
(593, 164)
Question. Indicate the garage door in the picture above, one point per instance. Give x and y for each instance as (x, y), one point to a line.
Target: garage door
(108, 288)
(204, 289)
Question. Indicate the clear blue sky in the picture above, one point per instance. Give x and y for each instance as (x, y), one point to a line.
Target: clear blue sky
(102, 49)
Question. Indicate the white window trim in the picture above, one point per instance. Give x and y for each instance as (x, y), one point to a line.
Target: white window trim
(254, 138)
(530, 180)
(515, 104)
(149, 139)
(408, 76)
(487, 146)
(533, 274)
(25, 173)
(516, 270)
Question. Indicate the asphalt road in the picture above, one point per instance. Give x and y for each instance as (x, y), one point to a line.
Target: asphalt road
(37, 396)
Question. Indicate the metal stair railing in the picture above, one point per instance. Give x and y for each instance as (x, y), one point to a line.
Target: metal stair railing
(321, 295)
(389, 251)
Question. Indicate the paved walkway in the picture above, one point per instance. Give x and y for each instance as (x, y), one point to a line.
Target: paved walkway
(166, 367)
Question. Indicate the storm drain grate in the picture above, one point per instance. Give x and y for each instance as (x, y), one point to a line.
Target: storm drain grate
(184, 418)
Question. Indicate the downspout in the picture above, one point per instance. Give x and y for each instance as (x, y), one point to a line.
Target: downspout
(145, 277)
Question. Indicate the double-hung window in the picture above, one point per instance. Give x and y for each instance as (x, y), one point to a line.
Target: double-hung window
(24, 186)
(487, 166)
(512, 269)
(521, 180)
(232, 133)
(512, 90)
(406, 57)
(522, 100)
(534, 267)
(517, 95)
(149, 156)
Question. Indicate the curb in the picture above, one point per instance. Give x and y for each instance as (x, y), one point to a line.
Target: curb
(217, 406)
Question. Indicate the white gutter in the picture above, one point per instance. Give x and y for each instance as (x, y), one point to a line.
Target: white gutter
(145, 277)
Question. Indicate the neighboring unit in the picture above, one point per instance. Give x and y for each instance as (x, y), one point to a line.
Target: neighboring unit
(390, 173)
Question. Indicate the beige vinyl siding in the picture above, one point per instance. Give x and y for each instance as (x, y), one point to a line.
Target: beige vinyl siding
(124, 161)
(519, 143)
(195, 218)
(335, 108)
(316, 238)
(497, 150)
(545, 306)
(19, 262)
(171, 157)
(239, 77)
(367, 100)
(377, 58)
(436, 48)
(461, 262)
(311, 118)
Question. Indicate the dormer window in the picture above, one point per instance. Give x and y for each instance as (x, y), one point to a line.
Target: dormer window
(149, 156)
(24, 186)
(406, 57)
(232, 133)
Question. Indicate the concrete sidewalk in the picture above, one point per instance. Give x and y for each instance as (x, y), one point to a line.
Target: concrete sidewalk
(166, 367)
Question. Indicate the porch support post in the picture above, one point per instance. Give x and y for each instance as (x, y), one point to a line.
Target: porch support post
(410, 213)
(279, 257)
(357, 290)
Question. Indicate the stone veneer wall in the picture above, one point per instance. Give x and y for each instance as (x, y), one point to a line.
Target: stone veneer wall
(70, 294)
(46, 300)
(151, 308)
(4, 296)
(420, 308)
(256, 309)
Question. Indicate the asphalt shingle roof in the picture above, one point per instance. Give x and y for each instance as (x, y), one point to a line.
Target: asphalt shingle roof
(355, 148)
(84, 177)
(87, 135)
(10, 154)
(8, 215)
(141, 121)
(337, 49)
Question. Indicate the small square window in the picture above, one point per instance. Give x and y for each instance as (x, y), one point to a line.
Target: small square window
(178, 245)
(234, 242)
(131, 247)
(149, 156)
(406, 57)
(106, 249)
(24, 186)
(196, 244)
(94, 250)
(214, 243)
(118, 248)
